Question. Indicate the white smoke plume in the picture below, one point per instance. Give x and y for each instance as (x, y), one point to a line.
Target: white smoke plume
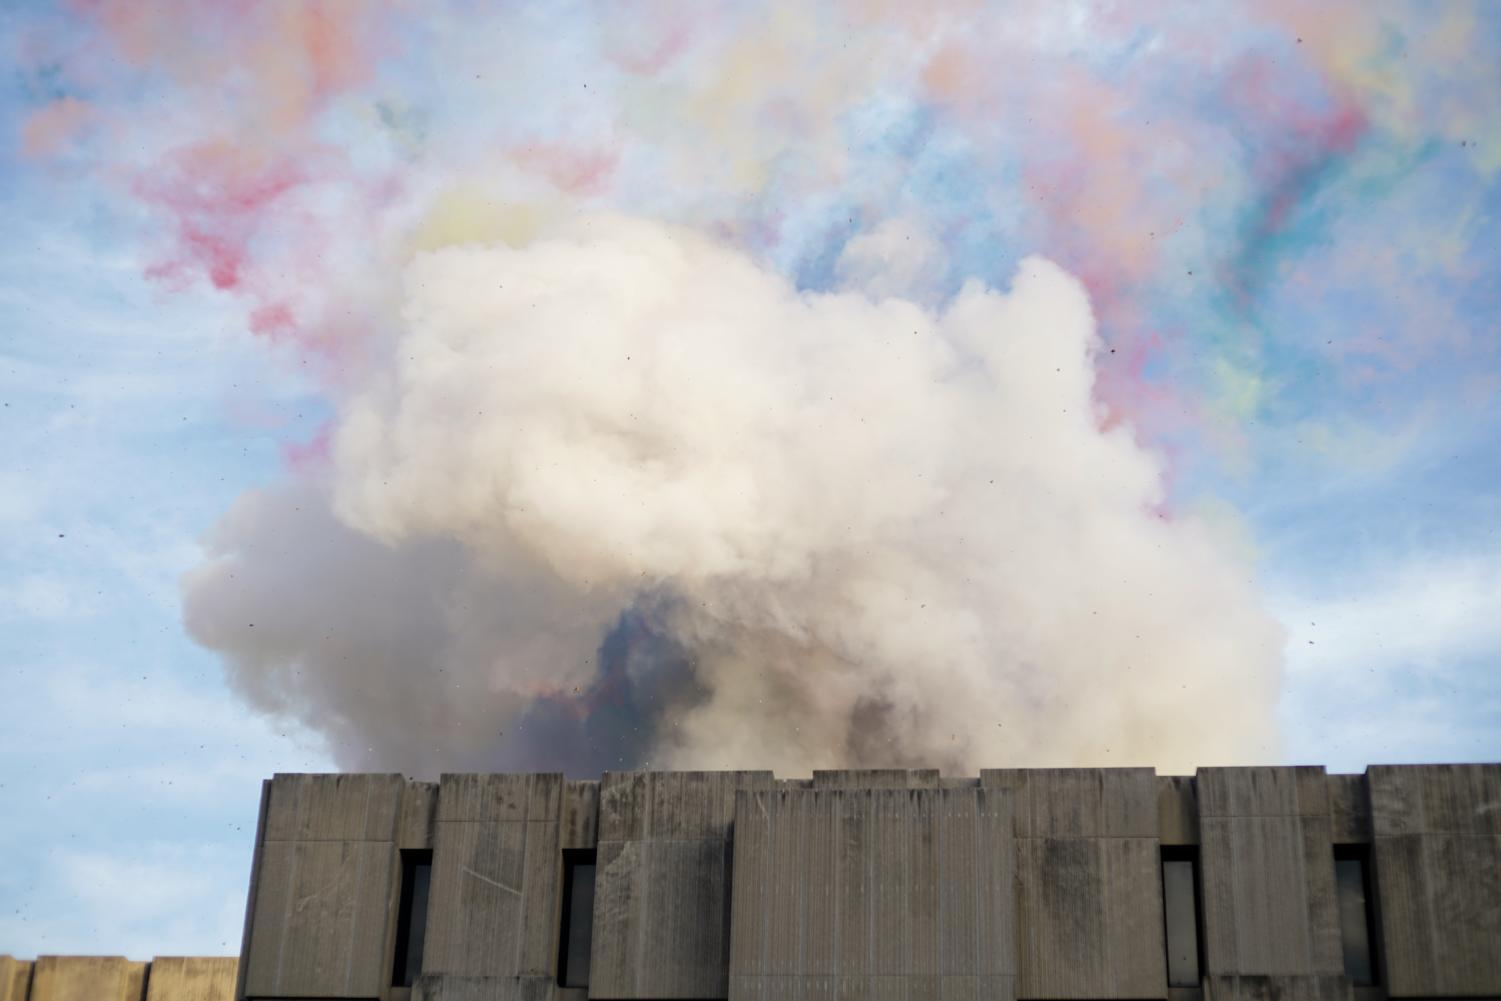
(623, 497)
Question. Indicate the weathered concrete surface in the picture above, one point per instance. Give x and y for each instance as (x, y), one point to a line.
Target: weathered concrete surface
(416, 823)
(1083, 901)
(1177, 810)
(876, 778)
(662, 894)
(1437, 851)
(1349, 810)
(1089, 905)
(1277, 988)
(305, 807)
(326, 883)
(192, 978)
(861, 890)
(580, 820)
(321, 919)
(1267, 865)
(15, 978)
(87, 978)
(452, 987)
(497, 873)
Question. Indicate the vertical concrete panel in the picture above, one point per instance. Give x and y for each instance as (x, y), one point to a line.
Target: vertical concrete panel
(888, 893)
(920, 846)
(811, 873)
(995, 905)
(659, 920)
(1349, 810)
(1437, 831)
(1089, 905)
(321, 918)
(541, 893)
(475, 905)
(1267, 861)
(325, 882)
(192, 978)
(1177, 810)
(662, 896)
(15, 979)
(580, 820)
(87, 978)
(496, 898)
(416, 825)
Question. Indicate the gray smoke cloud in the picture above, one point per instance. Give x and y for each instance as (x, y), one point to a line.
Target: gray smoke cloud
(622, 496)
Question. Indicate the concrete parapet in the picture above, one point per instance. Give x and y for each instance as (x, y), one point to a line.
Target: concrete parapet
(1177, 810)
(314, 807)
(87, 978)
(192, 978)
(15, 978)
(876, 778)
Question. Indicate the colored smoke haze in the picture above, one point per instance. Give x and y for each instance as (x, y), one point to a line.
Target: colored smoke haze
(671, 352)
(832, 530)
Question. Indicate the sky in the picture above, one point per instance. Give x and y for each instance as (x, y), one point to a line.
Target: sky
(434, 387)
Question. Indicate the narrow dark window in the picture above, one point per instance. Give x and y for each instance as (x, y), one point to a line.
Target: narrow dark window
(1180, 913)
(1357, 918)
(578, 919)
(411, 920)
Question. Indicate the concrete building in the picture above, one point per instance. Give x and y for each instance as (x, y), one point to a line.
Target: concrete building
(1263, 884)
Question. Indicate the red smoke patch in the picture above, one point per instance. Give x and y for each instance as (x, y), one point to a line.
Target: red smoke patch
(310, 456)
(273, 321)
(216, 198)
(575, 170)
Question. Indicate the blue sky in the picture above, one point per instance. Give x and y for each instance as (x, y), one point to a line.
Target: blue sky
(1312, 339)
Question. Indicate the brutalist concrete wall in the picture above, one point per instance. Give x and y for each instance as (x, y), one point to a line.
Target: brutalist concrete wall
(492, 925)
(1089, 885)
(876, 892)
(325, 877)
(1437, 850)
(699, 896)
(662, 896)
(1267, 860)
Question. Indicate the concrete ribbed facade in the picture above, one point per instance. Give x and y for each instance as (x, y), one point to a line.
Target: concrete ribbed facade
(1235, 884)
(1016, 885)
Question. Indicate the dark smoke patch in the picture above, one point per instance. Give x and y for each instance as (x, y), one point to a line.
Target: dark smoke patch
(644, 679)
(406, 657)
